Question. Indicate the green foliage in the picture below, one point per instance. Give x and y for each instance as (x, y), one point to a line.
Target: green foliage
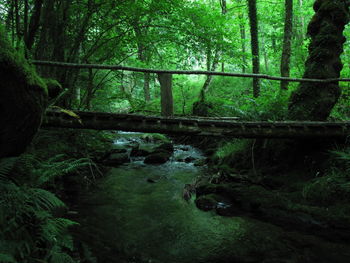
(230, 97)
(30, 232)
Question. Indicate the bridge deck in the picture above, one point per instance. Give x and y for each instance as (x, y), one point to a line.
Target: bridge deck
(195, 126)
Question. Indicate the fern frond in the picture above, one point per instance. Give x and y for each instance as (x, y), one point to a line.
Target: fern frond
(5, 258)
(58, 166)
(57, 158)
(43, 199)
(6, 166)
(59, 257)
(341, 155)
(55, 231)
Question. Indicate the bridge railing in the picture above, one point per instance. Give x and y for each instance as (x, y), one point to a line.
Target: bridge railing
(165, 77)
(183, 72)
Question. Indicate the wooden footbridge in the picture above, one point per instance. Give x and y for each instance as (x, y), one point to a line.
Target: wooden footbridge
(195, 126)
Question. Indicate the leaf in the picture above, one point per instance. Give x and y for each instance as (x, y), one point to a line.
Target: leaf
(70, 113)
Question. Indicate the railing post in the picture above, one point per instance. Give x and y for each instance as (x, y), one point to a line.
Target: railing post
(166, 92)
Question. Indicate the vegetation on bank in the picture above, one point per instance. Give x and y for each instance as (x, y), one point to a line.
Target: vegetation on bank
(58, 166)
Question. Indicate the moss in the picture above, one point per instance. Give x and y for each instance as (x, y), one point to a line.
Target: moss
(53, 87)
(23, 97)
(15, 62)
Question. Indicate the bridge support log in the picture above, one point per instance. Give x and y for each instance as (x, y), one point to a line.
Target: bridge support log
(166, 92)
(196, 126)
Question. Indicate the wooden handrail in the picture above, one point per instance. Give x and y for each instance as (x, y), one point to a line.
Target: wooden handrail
(181, 72)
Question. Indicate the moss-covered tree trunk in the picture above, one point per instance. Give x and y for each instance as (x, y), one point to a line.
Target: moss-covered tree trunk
(23, 98)
(315, 101)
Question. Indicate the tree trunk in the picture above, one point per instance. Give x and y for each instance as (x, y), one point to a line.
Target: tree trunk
(264, 50)
(165, 81)
(209, 78)
(212, 63)
(243, 45)
(223, 5)
(17, 20)
(143, 56)
(10, 23)
(146, 87)
(301, 21)
(253, 20)
(9, 16)
(287, 43)
(315, 101)
(25, 19)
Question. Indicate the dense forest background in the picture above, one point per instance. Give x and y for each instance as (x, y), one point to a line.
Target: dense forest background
(206, 35)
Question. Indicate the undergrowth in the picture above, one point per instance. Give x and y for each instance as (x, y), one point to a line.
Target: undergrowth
(30, 232)
(334, 186)
(32, 223)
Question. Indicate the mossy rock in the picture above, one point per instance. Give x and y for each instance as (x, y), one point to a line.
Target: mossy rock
(167, 147)
(157, 157)
(23, 98)
(207, 202)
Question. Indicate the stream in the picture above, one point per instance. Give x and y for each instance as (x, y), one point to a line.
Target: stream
(137, 214)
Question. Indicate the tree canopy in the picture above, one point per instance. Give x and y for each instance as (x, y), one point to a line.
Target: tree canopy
(180, 34)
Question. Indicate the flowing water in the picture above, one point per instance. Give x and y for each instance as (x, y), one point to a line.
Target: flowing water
(130, 218)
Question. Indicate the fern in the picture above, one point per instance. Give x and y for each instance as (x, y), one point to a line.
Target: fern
(43, 199)
(55, 229)
(60, 257)
(5, 258)
(58, 166)
(6, 165)
(29, 231)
